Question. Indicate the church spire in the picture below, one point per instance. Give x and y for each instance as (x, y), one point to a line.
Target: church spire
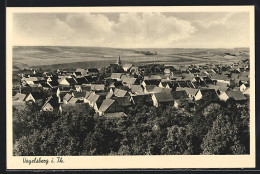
(119, 61)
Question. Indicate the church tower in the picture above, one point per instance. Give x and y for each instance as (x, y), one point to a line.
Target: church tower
(119, 61)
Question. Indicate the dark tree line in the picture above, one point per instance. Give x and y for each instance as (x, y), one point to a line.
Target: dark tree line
(214, 128)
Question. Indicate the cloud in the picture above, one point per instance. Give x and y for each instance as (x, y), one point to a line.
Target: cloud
(131, 29)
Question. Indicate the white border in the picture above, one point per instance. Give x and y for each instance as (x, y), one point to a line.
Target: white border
(122, 162)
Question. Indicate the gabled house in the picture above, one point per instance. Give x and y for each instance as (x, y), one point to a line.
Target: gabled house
(137, 89)
(73, 101)
(19, 97)
(29, 80)
(191, 92)
(243, 87)
(93, 71)
(202, 93)
(79, 95)
(53, 83)
(35, 97)
(236, 95)
(151, 82)
(67, 98)
(85, 88)
(63, 89)
(94, 100)
(218, 89)
(97, 87)
(120, 92)
(51, 104)
(220, 78)
(179, 97)
(162, 99)
(158, 89)
(247, 92)
(125, 102)
(149, 88)
(81, 71)
(81, 80)
(143, 99)
(68, 82)
(109, 106)
(127, 67)
(129, 81)
(116, 76)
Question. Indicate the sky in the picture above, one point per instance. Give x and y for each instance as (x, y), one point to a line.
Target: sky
(133, 30)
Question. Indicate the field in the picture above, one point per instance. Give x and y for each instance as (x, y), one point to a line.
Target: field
(53, 57)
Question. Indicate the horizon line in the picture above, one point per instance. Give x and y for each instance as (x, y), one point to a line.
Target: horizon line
(131, 47)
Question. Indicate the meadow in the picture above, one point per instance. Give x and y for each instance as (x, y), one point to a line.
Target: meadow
(53, 57)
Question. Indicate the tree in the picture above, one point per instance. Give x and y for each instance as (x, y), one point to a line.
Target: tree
(178, 141)
(223, 138)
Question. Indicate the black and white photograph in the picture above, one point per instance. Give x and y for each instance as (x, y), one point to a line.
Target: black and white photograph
(118, 83)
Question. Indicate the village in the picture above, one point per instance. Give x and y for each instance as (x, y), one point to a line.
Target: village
(114, 90)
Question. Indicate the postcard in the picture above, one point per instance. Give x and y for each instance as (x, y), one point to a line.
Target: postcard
(159, 87)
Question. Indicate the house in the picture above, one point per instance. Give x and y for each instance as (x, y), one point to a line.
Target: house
(168, 84)
(81, 80)
(125, 102)
(78, 88)
(202, 93)
(207, 80)
(128, 81)
(238, 96)
(179, 97)
(109, 106)
(93, 71)
(120, 92)
(116, 76)
(247, 92)
(81, 71)
(218, 89)
(190, 77)
(51, 104)
(94, 100)
(134, 70)
(167, 71)
(162, 99)
(73, 101)
(79, 95)
(220, 78)
(153, 77)
(29, 89)
(29, 80)
(151, 82)
(64, 89)
(16, 83)
(67, 98)
(191, 92)
(53, 83)
(35, 97)
(19, 97)
(127, 67)
(158, 89)
(97, 87)
(76, 74)
(68, 82)
(137, 89)
(149, 88)
(243, 87)
(143, 99)
(85, 87)
(87, 94)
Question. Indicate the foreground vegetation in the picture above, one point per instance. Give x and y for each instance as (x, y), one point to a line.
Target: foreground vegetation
(214, 128)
